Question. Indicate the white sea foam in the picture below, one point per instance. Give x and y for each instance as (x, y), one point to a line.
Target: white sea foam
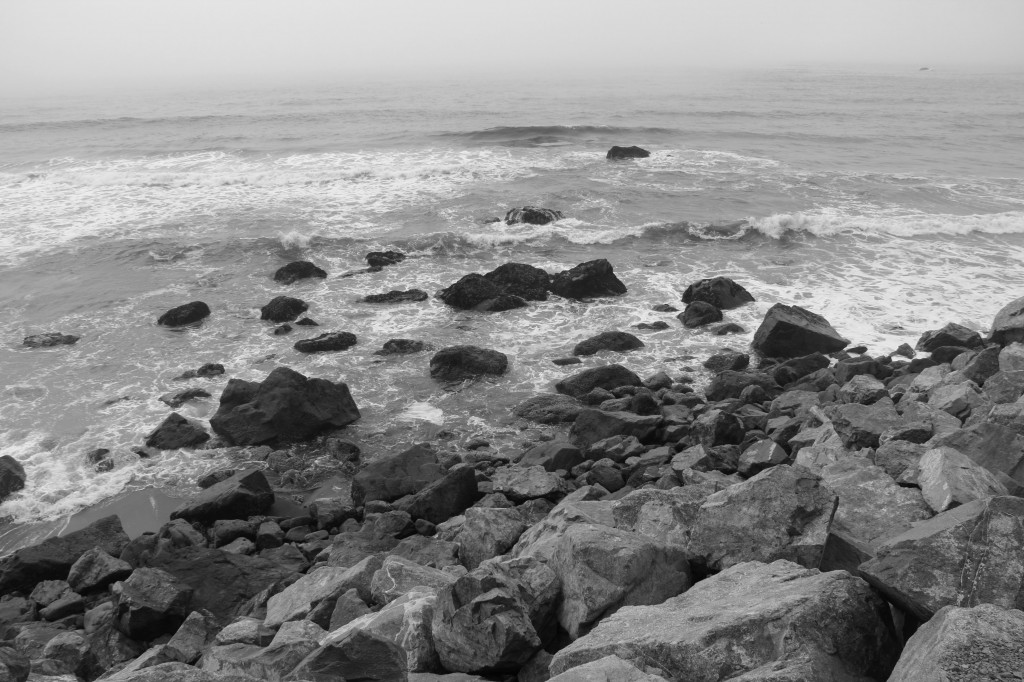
(826, 223)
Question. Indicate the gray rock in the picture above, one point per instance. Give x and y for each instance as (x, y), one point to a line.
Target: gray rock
(959, 400)
(12, 477)
(860, 426)
(189, 641)
(359, 655)
(608, 377)
(864, 389)
(792, 331)
(997, 448)
(520, 483)
(245, 494)
(458, 363)
(489, 532)
(176, 432)
(614, 341)
(406, 621)
(949, 478)
(760, 456)
(49, 340)
(1005, 387)
(1008, 325)
(390, 478)
(292, 643)
(95, 570)
(608, 669)
(398, 576)
(552, 455)
(548, 408)
(444, 498)
(593, 425)
(592, 279)
(152, 602)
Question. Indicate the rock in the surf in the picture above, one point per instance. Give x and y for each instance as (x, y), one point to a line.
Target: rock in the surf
(532, 215)
(613, 340)
(176, 400)
(548, 408)
(520, 279)
(633, 152)
(380, 259)
(476, 292)
(588, 280)
(190, 313)
(607, 377)
(410, 296)
(286, 406)
(210, 369)
(789, 331)
(176, 432)
(12, 477)
(298, 270)
(332, 341)
(1008, 325)
(699, 314)
(720, 292)
(283, 309)
(457, 363)
(951, 335)
(50, 339)
(402, 347)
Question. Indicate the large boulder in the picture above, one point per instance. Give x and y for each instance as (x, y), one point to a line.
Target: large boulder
(634, 152)
(548, 408)
(951, 335)
(477, 292)
(588, 280)
(176, 432)
(12, 477)
(552, 455)
(283, 309)
(286, 406)
(325, 343)
(398, 576)
(965, 556)
(244, 494)
(298, 599)
(698, 314)
(519, 483)
(531, 215)
(488, 532)
(607, 377)
(298, 270)
(458, 363)
(522, 280)
(96, 570)
(152, 602)
(731, 384)
(789, 331)
(395, 476)
(861, 426)
(405, 621)
(755, 618)
(593, 425)
(998, 448)
(290, 645)
(443, 498)
(52, 559)
(190, 313)
(721, 292)
(1008, 325)
(949, 478)
(357, 655)
(980, 643)
(614, 340)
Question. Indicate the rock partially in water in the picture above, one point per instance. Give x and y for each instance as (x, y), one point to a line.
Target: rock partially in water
(791, 331)
(380, 259)
(176, 432)
(298, 270)
(520, 279)
(588, 280)
(699, 314)
(457, 363)
(613, 340)
(240, 496)
(190, 313)
(402, 347)
(607, 377)
(720, 292)
(176, 400)
(283, 309)
(12, 477)
(210, 369)
(633, 152)
(410, 296)
(951, 335)
(331, 341)
(531, 215)
(50, 339)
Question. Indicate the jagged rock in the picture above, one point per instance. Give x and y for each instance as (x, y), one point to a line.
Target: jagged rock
(520, 483)
(390, 478)
(730, 384)
(12, 477)
(834, 625)
(398, 576)
(210, 369)
(721, 292)
(151, 602)
(959, 400)
(189, 641)
(477, 292)
(65, 654)
(996, 447)
(593, 425)
(949, 478)
(607, 377)
(699, 314)
(286, 406)
(351, 549)
(792, 331)
(634, 152)
(50, 339)
(588, 280)
(727, 360)
(283, 309)
(616, 448)
(519, 279)
(190, 313)
(53, 558)
(176, 432)
(548, 408)
(981, 643)
(14, 665)
(941, 423)
(716, 427)
(245, 494)
(325, 343)
(861, 426)
(406, 622)
(95, 570)
(489, 532)
(531, 215)
(298, 599)
(292, 643)
(380, 259)
(665, 516)
(951, 335)
(458, 363)
(358, 655)
(428, 551)
(396, 296)
(760, 456)
(794, 369)
(443, 498)
(864, 389)
(297, 270)
(616, 341)
(553, 455)
(176, 400)
(982, 365)
(966, 556)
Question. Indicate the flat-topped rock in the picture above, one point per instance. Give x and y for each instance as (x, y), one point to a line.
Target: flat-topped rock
(791, 331)
(244, 494)
(458, 363)
(633, 152)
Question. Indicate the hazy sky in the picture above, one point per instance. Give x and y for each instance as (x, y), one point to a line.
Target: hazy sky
(75, 45)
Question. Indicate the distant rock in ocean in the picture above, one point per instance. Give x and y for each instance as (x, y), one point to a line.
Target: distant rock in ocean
(298, 270)
(531, 215)
(633, 152)
(50, 339)
(190, 313)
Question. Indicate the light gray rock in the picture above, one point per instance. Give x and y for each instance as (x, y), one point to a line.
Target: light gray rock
(864, 389)
(519, 483)
(488, 532)
(608, 669)
(152, 602)
(398, 575)
(949, 478)
(296, 600)
(292, 643)
(406, 621)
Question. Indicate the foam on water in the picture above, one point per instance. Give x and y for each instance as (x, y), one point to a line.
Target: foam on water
(900, 223)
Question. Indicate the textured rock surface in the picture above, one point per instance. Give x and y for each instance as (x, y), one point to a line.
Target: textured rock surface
(458, 363)
(949, 478)
(238, 497)
(791, 331)
(588, 280)
(189, 313)
(720, 292)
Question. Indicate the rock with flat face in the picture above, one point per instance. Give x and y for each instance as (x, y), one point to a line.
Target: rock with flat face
(552, 455)
(998, 448)
(489, 532)
(471, 292)
(966, 556)
(731, 383)
(298, 599)
(720, 292)
(96, 570)
(792, 331)
(1008, 325)
(244, 494)
(531, 215)
(749, 617)
(616, 341)
(326, 343)
(50, 339)
(980, 643)
(519, 483)
(519, 279)
(406, 622)
(151, 602)
(443, 498)
(593, 425)
(358, 655)
(286, 406)
(607, 377)
(633, 152)
(12, 477)
(458, 363)
(698, 314)
(298, 270)
(176, 432)
(608, 669)
(396, 296)
(949, 478)
(588, 280)
(951, 335)
(861, 426)
(390, 478)
(398, 576)
(190, 313)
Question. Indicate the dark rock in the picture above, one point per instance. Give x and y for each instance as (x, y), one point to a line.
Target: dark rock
(847, 369)
(214, 477)
(727, 328)
(410, 296)
(727, 360)
(594, 425)
(332, 341)
(531, 215)
(519, 279)
(176, 432)
(444, 498)
(562, 362)
(950, 335)
(588, 280)
(470, 292)
(306, 322)
(792, 331)
(283, 309)
(189, 313)
(402, 347)
(664, 308)
(721, 292)
(458, 363)
(99, 459)
(96, 570)
(760, 456)
(356, 655)
(860, 426)
(210, 369)
(389, 478)
(12, 477)
(380, 259)
(1008, 325)
(151, 602)
(176, 400)
(730, 384)
(614, 340)
(286, 406)
(994, 446)
(15, 666)
(944, 354)
(633, 152)
(607, 377)
(296, 270)
(553, 455)
(489, 532)
(548, 408)
(795, 369)
(50, 339)
(282, 330)
(245, 494)
(699, 314)
(653, 326)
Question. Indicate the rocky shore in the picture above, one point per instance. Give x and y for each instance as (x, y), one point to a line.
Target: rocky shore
(813, 513)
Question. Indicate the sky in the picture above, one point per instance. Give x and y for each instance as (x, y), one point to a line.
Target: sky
(56, 46)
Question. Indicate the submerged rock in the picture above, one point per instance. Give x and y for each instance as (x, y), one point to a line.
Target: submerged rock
(951, 335)
(380, 259)
(458, 363)
(532, 215)
(476, 292)
(298, 270)
(176, 432)
(792, 331)
(588, 280)
(402, 347)
(50, 339)
(210, 369)
(190, 313)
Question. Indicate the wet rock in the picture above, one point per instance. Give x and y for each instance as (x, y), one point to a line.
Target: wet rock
(443, 498)
(210, 369)
(307, 322)
(12, 477)
(727, 360)
(792, 331)
(588, 280)
(730, 384)
(721, 292)
(176, 400)
(244, 494)
(380, 259)
(152, 602)
(727, 328)
(50, 339)
(176, 432)
(634, 152)
(652, 326)
(390, 478)
(489, 532)
(459, 363)
(950, 335)
(699, 314)
(548, 408)
(402, 347)
(473, 292)
(836, 628)
(531, 215)
(286, 406)
(608, 377)
(794, 369)
(615, 341)
(283, 309)
(332, 341)
(664, 308)
(404, 621)
(298, 270)
(949, 478)
(95, 570)
(395, 296)
(519, 279)
(190, 313)
(553, 455)
(593, 425)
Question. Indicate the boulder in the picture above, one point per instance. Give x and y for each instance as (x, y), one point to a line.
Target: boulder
(588, 280)
(292, 643)
(519, 279)
(608, 669)
(616, 341)
(283, 309)
(531, 215)
(607, 377)
(50, 339)
(357, 655)
(151, 602)
(443, 498)
(980, 643)
(1011, 358)
(753, 617)
(398, 576)
(402, 347)
(863, 389)
(389, 478)
(552, 455)
(861, 426)
(53, 558)
(459, 363)
(634, 152)
(959, 400)
(593, 425)
(721, 292)
(698, 314)
(794, 369)
(396, 296)
(15, 665)
(325, 343)
(176, 432)
(298, 270)
(95, 570)
(191, 638)
(966, 556)
(730, 384)
(476, 292)
(519, 483)
(173, 671)
(210, 369)
(244, 494)
(179, 398)
(286, 406)
(302, 596)
(998, 448)
(548, 408)
(1008, 325)
(949, 478)
(792, 331)
(489, 532)
(380, 259)
(951, 335)
(405, 621)
(190, 313)
(727, 360)
(760, 456)
(12, 477)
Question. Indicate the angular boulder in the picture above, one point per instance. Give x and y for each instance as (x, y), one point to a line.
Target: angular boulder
(949, 478)
(443, 498)
(151, 602)
(49, 340)
(95, 570)
(190, 313)
(240, 496)
(951, 335)
(522, 280)
(547, 408)
(358, 655)
(721, 292)
(475, 292)
(396, 296)
(12, 477)
(406, 622)
(489, 532)
(298, 270)
(398, 576)
(176, 432)
(325, 343)
(459, 363)
(698, 314)
(593, 425)
(792, 331)
(614, 340)
(588, 280)
(607, 377)
(390, 478)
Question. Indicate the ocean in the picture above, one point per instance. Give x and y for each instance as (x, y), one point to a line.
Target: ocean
(889, 200)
